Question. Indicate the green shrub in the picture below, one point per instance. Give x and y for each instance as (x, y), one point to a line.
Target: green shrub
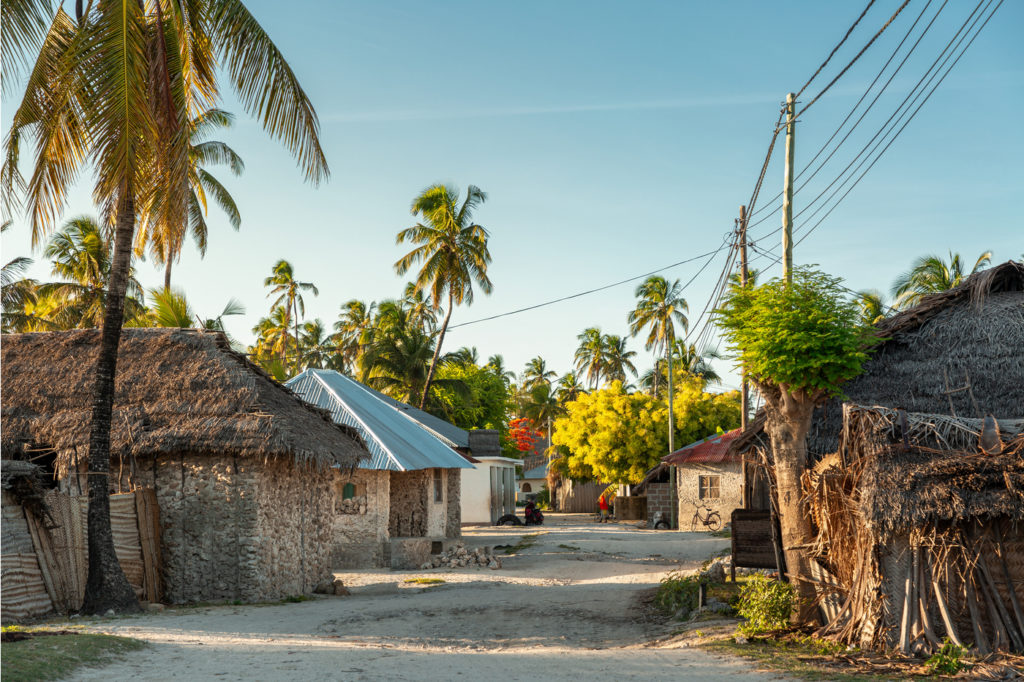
(948, 660)
(766, 604)
(544, 499)
(677, 592)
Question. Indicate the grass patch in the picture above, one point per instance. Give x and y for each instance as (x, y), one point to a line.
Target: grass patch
(29, 655)
(721, 533)
(571, 548)
(525, 542)
(424, 581)
(797, 658)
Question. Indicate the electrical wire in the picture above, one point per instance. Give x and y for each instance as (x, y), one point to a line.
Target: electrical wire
(835, 49)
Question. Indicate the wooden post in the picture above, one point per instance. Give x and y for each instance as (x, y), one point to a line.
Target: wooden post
(787, 196)
(743, 282)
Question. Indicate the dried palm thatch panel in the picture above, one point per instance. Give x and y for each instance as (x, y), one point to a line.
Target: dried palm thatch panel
(240, 466)
(21, 579)
(958, 350)
(924, 531)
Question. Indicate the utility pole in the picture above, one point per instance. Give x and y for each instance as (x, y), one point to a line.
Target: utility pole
(743, 282)
(673, 515)
(787, 195)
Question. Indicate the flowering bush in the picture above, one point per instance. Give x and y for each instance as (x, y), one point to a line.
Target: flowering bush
(523, 435)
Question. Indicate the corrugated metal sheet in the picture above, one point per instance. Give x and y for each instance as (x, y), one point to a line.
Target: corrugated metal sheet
(711, 450)
(395, 441)
(449, 434)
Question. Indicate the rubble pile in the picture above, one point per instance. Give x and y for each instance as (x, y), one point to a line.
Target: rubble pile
(353, 505)
(460, 557)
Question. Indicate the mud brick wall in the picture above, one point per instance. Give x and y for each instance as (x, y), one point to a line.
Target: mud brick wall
(410, 505)
(239, 528)
(453, 499)
(659, 499)
(360, 540)
(731, 490)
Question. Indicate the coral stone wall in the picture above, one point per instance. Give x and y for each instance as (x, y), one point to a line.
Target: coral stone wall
(409, 509)
(360, 535)
(453, 499)
(238, 528)
(688, 483)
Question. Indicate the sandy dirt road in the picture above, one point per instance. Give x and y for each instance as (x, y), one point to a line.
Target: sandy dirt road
(564, 608)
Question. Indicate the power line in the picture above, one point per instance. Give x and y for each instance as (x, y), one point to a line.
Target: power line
(710, 254)
(835, 49)
(856, 57)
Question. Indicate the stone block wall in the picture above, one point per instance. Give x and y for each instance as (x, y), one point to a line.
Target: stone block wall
(659, 499)
(238, 528)
(731, 490)
(360, 538)
(453, 499)
(409, 508)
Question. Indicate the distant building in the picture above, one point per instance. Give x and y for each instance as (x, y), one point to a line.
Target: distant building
(707, 474)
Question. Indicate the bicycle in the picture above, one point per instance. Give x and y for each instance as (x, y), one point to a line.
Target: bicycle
(711, 519)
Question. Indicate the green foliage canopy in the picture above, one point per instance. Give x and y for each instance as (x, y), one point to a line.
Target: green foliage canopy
(483, 406)
(802, 336)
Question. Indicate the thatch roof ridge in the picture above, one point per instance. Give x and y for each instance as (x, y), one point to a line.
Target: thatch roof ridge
(178, 391)
(922, 469)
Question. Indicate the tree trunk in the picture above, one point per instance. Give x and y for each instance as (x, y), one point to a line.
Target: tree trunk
(107, 587)
(437, 353)
(788, 421)
(167, 274)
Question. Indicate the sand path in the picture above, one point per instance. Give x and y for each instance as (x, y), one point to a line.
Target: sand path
(566, 607)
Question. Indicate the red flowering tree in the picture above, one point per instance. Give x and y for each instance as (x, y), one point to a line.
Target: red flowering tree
(523, 435)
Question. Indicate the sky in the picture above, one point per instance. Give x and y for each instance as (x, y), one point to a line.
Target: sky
(613, 139)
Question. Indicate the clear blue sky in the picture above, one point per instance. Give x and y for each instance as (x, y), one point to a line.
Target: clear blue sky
(613, 139)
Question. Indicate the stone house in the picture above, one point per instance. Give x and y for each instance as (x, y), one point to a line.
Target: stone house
(707, 474)
(535, 475)
(243, 471)
(405, 497)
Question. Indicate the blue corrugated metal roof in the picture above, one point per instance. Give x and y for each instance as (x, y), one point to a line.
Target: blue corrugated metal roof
(450, 434)
(395, 441)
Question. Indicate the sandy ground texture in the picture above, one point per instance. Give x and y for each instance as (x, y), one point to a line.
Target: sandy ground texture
(569, 606)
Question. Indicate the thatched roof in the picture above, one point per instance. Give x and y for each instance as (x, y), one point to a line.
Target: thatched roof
(971, 335)
(177, 391)
(920, 469)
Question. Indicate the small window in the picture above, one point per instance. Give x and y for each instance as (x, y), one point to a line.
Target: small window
(710, 487)
(438, 486)
(527, 488)
(349, 491)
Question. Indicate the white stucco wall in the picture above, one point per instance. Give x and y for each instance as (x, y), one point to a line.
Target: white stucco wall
(476, 489)
(688, 483)
(437, 511)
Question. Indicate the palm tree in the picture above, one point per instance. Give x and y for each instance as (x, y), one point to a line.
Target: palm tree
(496, 363)
(167, 308)
(81, 256)
(352, 330)
(569, 387)
(273, 337)
(873, 308)
(537, 373)
(543, 407)
(590, 355)
(696, 364)
(166, 238)
(931, 274)
(465, 357)
(112, 91)
(617, 360)
(17, 290)
(420, 311)
(659, 308)
(453, 250)
(315, 346)
(289, 294)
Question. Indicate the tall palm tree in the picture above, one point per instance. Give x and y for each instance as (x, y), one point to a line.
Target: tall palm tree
(465, 357)
(931, 274)
(315, 346)
(543, 407)
(537, 373)
(420, 311)
(352, 330)
(873, 307)
(496, 363)
(273, 338)
(617, 360)
(569, 387)
(590, 355)
(660, 306)
(80, 255)
(17, 290)
(289, 294)
(112, 91)
(453, 251)
(166, 238)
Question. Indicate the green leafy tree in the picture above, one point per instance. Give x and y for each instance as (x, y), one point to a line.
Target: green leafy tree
(931, 274)
(660, 307)
(470, 397)
(453, 251)
(797, 342)
(289, 296)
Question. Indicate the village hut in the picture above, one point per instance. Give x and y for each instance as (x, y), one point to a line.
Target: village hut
(957, 353)
(920, 536)
(406, 496)
(242, 469)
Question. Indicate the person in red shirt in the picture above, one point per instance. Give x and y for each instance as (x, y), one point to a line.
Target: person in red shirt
(603, 504)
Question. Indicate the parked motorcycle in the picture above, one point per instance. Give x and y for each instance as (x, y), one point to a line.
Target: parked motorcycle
(534, 517)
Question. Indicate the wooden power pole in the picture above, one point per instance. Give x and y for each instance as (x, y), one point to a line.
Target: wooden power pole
(787, 195)
(743, 283)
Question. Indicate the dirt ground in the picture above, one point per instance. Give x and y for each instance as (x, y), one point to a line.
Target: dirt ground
(565, 607)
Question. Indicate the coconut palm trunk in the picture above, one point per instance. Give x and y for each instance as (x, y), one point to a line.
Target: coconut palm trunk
(167, 275)
(107, 587)
(437, 351)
